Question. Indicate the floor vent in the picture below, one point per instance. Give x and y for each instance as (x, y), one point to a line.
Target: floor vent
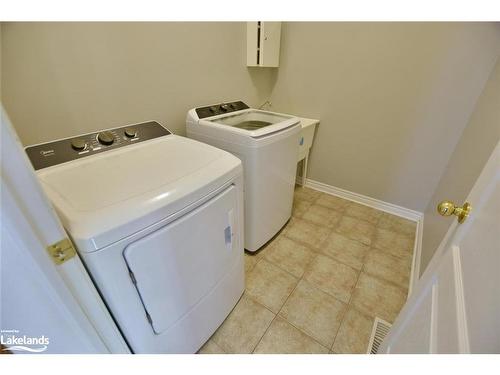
(380, 329)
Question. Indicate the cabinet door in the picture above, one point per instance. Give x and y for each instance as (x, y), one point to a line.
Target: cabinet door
(176, 266)
(263, 43)
(270, 35)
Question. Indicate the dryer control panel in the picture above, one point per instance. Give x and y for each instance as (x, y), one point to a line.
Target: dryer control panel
(219, 109)
(63, 150)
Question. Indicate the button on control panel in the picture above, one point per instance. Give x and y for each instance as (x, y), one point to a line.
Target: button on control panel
(130, 132)
(79, 144)
(219, 109)
(64, 150)
(106, 138)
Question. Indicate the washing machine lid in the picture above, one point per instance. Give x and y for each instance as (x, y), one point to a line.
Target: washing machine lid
(104, 198)
(252, 122)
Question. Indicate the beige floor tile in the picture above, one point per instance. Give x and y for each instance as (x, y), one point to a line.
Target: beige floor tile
(263, 249)
(288, 225)
(354, 333)
(316, 313)
(313, 311)
(290, 256)
(307, 233)
(332, 202)
(388, 267)
(332, 277)
(344, 249)
(250, 262)
(306, 194)
(394, 243)
(244, 327)
(356, 229)
(360, 211)
(259, 254)
(397, 224)
(283, 338)
(299, 207)
(270, 285)
(211, 347)
(323, 216)
(376, 297)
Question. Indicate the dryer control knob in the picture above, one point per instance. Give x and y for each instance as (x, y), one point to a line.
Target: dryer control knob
(78, 144)
(224, 107)
(106, 138)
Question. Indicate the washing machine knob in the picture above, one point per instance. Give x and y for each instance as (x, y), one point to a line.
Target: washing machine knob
(131, 132)
(224, 107)
(78, 144)
(213, 109)
(106, 138)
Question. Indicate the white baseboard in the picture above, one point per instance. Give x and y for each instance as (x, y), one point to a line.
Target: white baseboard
(367, 201)
(390, 208)
(417, 252)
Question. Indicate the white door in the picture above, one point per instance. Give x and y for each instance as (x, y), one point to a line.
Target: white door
(57, 305)
(456, 304)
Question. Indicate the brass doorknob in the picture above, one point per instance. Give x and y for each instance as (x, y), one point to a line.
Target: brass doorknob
(448, 208)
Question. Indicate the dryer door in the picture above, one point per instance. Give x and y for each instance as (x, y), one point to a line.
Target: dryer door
(176, 266)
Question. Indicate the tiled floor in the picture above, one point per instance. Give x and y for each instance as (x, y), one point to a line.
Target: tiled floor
(317, 286)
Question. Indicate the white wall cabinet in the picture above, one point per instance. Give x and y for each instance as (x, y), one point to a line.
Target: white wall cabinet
(263, 44)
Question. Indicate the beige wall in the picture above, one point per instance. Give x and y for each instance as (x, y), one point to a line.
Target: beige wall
(393, 99)
(466, 163)
(62, 79)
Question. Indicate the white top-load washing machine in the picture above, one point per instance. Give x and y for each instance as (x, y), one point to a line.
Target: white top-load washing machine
(267, 143)
(158, 222)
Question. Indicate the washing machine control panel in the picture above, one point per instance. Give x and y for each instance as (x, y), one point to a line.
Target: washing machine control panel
(64, 150)
(219, 109)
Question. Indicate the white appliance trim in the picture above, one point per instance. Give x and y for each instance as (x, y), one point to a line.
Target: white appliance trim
(393, 209)
(260, 133)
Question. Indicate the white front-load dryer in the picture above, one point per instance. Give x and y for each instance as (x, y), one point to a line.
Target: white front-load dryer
(267, 144)
(158, 221)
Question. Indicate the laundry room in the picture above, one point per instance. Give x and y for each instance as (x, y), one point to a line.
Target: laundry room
(303, 186)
